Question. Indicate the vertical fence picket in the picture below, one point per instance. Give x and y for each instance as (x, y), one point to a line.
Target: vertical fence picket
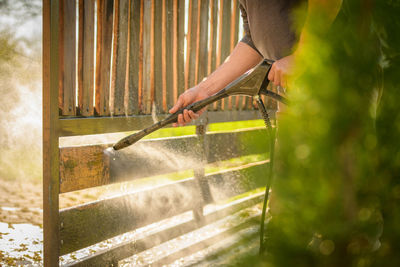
(120, 47)
(181, 45)
(135, 57)
(159, 39)
(212, 44)
(203, 40)
(67, 44)
(86, 57)
(148, 56)
(168, 58)
(103, 55)
(225, 39)
(234, 39)
(191, 44)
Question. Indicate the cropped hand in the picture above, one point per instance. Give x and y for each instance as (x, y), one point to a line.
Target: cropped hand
(280, 69)
(190, 96)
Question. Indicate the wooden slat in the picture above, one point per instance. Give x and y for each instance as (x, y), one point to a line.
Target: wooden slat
(86, 57)
(51, 65)
(148, 57)
(191, 44)
(135, 57)
(234, 40)
(103, 55)
(169, 62)
(93, 125)
(201, 53)
(88, 166)
(88, 162)
(120, 49)
(67, 57)
(159, 86)
(181, 45)
(225, 40)
(129, 248)
(91, 223)
(212, 44)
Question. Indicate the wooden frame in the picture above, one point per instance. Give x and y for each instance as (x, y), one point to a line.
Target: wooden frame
(121, 77)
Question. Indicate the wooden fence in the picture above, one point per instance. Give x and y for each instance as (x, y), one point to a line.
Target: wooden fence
(111, 66)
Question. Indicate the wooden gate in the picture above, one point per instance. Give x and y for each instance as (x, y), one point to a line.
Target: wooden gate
(112, 66)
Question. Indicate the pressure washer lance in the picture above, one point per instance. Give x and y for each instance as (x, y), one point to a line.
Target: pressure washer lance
(254, 84)
(249, 84)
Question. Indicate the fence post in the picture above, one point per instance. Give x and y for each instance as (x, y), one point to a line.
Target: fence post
(199, 171)
(51, 231)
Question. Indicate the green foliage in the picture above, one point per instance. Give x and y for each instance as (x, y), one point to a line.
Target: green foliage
(337, 186)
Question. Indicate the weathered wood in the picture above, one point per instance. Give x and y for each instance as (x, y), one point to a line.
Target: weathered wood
(181, 45)
(103, 55)
(225, 40)
(120, 50)
(169, 62)
(234, 39)
(93, 222)
(93, 125)
(159, 86)
(212, 48)
(86, 162)
(135, 57)
(88, 166)
(129, 248)
(51, 66)
(67, 57)
(191, 44)
(213, 42)
(201, 53)
(148, 57)
(86, 57)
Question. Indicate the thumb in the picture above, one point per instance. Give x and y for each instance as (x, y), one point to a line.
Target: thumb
(177, 105)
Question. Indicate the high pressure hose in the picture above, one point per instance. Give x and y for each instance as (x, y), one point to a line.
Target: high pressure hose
(271, 138)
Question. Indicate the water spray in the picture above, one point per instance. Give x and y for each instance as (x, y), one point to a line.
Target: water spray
(253, 84)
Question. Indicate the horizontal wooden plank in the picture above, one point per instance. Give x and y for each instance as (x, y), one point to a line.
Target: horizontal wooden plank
(101, 125)
(89, 166)
(88, 163)
(129, 248)
(94, 222)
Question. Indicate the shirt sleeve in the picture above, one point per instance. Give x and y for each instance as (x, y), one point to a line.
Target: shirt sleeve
(247, 35)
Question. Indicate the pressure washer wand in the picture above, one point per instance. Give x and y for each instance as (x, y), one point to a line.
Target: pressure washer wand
(195, 107)
(248, 84)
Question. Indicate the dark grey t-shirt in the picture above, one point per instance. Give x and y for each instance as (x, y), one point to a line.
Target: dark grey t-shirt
(269, 26)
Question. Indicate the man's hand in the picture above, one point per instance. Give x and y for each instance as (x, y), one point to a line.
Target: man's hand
(280, 70)
(192, 95)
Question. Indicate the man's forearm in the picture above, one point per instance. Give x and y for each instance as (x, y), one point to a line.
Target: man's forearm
(242, 58)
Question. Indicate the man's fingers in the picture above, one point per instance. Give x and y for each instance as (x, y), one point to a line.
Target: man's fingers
(193, 115)
(180, 119)
(177, 105)
(277, 77)
(186, 117)
(271, 73)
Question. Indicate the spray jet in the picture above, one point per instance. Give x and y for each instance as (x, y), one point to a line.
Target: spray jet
(251, 84)
(254, 84)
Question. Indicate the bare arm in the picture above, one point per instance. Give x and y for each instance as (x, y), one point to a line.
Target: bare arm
(326, 9)
(242, 58)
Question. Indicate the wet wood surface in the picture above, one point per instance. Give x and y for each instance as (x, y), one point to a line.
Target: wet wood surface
(128, 248)
(88, 166)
